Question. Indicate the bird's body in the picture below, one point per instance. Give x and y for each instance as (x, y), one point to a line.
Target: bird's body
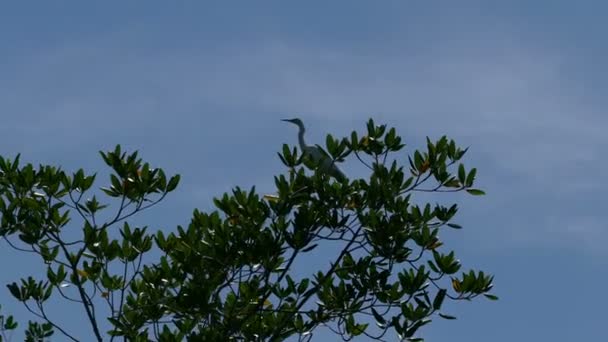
(326, 164)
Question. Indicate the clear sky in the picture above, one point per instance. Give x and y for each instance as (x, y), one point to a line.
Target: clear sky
(199, 88)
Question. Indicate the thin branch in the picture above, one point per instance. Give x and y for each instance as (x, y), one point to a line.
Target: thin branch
(40, 306)
(316, 288)
(362, 161)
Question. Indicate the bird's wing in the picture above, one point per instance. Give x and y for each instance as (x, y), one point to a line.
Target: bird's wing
(315, 153)
(321, 152)
(337, 173)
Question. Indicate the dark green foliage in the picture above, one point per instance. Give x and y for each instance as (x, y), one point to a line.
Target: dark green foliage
(229, 274)
(36, 206)
(7, 324)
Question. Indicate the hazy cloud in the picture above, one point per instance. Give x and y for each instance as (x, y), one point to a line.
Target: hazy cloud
(526, 122)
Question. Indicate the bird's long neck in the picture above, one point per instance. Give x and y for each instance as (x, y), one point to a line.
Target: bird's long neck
(301, 138)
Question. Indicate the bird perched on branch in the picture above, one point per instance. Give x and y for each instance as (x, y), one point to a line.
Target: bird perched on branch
(326, 164)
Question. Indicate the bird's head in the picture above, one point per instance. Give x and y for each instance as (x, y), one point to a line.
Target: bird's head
(295, 121)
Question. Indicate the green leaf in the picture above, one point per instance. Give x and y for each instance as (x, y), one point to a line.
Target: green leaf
(432, 266)
(451, 149)
(303, 285)
(331, 145)
(371, 128)
(454, 225)
(378, 317)
(418, 160)
(310, 248)
(439, 299)
(51, 275)
(15, 291)
(47, 293)
(291, 285)
(490, 296)
(461, 174)
(10, 323)
(359, 329)
(470, 178)
(476, 192)
(446, 316)
(110, 192)
(389, 138)
(88, 182)
(286, 152)
(354, 141)
(162, 180)
(173, 182)
(461, 153)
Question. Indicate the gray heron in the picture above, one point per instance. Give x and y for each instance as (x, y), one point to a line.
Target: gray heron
(326, 164)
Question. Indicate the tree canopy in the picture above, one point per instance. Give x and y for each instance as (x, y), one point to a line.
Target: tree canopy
(379, 264)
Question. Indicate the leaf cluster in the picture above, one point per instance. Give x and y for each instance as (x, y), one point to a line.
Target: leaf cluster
(229, 274)
(37, 206)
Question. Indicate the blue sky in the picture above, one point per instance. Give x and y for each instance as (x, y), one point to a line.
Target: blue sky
(199, 89)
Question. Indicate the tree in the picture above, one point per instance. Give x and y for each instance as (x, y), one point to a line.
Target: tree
(229, 275)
